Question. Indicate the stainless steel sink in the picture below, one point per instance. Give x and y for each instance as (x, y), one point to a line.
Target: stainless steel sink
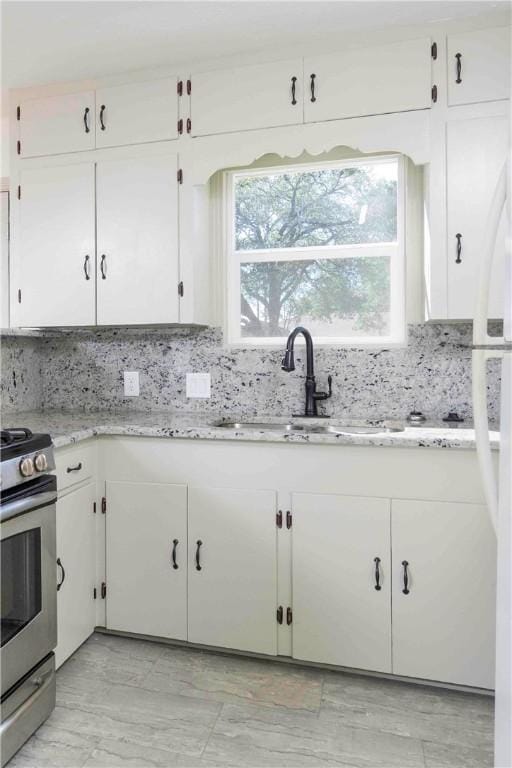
(255, 426)
(316, 429)
(349, 429)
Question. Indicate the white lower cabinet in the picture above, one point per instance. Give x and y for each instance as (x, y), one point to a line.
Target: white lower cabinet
(233, 569)
(443, 626)
(76, 570)
(342, 580)
(146, 558)
(393, 586)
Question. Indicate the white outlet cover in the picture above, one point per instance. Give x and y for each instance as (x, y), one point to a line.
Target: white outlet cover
(131, 384)
(198, 385)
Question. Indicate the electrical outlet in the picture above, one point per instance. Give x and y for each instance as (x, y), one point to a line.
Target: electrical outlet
(198, 385)
(131, 383)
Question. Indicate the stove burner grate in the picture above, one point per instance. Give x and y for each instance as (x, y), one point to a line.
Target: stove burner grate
(14, 435)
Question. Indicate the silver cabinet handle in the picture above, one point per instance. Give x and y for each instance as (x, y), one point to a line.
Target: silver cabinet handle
(103, 267)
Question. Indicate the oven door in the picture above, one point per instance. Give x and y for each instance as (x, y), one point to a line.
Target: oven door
(28, 586)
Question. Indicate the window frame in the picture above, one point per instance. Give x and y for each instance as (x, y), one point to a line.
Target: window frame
(395, 250)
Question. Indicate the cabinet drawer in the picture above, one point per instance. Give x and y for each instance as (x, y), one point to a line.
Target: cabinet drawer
(74, 465)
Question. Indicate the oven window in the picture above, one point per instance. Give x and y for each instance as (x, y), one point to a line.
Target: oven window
(21, 581)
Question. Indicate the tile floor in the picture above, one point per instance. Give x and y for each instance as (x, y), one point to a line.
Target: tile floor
(125, 702)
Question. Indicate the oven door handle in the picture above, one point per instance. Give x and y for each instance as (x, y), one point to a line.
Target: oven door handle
(21, 506)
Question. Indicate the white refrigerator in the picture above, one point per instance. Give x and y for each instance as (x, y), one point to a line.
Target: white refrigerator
(498, 489)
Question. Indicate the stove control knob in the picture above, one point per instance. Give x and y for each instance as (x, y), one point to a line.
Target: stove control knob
(27, 467)
(40, 462)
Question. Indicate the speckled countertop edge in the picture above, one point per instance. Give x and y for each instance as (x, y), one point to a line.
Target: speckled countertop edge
(70, 428)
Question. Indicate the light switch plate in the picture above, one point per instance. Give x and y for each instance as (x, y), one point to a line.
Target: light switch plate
(198, 385)
(131, 383)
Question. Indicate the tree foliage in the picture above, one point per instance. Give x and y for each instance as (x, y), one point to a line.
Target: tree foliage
(317, 208)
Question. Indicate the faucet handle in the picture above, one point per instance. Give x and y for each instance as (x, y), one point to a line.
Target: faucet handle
(324, 395)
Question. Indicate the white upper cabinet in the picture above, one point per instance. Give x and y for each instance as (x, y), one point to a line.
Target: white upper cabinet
(368, 81)
(479, 66)
(244, 98)
(56, 124)
(444, 566)
(341, 565)
(56, 246)
(122, 114)
(137, 240)
(137, 113)
(476, 151)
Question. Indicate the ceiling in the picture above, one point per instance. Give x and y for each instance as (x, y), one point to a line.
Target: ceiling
(45, 42)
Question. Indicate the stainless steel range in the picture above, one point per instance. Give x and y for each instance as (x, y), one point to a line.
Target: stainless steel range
(28, 587)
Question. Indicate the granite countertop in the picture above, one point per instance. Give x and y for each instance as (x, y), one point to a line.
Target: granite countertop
(69, 428)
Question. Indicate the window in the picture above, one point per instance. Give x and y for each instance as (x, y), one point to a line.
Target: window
(317, 245)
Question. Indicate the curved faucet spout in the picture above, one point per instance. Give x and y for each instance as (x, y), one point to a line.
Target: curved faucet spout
(288, 364)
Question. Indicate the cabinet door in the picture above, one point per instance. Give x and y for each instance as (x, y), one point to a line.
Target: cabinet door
(4, 256)
(232, 569)
(76, 570)
(476, 151)
(146, 555)
(57, 124)
(56, 246)
(339, 615)
(443, 628)
(137, 240)
(479, 66)
(136, 113)
(372, 81)
(257, 96)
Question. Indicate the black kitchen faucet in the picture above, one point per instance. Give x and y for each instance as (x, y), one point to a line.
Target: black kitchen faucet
(288, 364)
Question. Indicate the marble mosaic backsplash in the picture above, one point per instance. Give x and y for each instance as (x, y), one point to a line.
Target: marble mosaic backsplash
(83, 370)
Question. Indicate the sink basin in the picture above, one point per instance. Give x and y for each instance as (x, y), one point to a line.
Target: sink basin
(255, 426)
(315, 429)
(362, 430)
